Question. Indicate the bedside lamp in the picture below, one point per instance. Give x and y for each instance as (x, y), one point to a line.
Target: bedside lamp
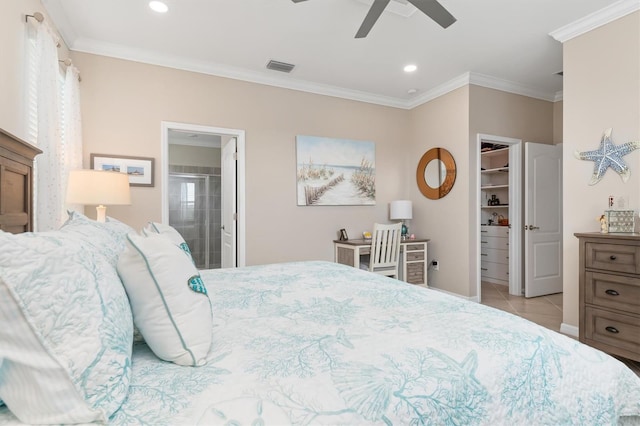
(401, 210)
(97, 187)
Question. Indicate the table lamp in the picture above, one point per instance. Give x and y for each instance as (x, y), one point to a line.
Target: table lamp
(97, 187)
(401, 210)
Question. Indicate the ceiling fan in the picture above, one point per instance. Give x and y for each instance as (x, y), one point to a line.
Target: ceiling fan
(431, 8)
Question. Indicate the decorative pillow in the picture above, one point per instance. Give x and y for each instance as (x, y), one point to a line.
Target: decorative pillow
(107, 238)
(66, 331)
(171, 233)
(168, 299)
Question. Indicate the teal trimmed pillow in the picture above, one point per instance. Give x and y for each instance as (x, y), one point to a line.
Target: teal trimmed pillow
(171, 233)
(168, 299)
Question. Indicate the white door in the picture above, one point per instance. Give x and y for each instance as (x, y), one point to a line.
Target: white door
(229, 204)
(543, 219)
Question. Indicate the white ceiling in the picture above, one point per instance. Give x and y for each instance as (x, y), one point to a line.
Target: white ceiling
(497, 43)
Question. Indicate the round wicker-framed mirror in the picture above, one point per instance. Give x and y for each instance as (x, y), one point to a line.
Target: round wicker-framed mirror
(436, 173)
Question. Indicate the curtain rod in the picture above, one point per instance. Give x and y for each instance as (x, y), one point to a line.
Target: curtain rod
(40, 18)
(36, 15)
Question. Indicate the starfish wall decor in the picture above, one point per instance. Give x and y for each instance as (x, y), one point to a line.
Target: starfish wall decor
(608, 155)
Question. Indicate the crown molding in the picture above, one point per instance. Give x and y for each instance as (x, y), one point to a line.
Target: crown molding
(509, 86)
(597, 19)
(171, 61)
(289, 82)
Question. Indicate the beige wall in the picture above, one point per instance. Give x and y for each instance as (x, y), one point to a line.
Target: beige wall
(557, 122)
(500, 113)
(12, 72)
(185, 155)
(601, 90)
(123, 103)
(443, 122)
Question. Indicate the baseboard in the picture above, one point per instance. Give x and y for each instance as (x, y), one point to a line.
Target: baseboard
(569, 330)
(470, 298)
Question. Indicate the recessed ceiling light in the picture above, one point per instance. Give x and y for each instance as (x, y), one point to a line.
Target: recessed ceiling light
(412, 91)
(410, 68)
(158, 6)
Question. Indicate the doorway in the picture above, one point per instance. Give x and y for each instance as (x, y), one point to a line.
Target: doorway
(203, 192)
(499, 216)
(516, 184)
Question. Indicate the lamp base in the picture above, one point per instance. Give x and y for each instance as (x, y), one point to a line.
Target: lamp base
(101, 212)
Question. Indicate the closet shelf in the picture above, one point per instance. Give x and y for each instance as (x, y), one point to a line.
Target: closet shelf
(494, 186)
(498, 170)
(501, 206)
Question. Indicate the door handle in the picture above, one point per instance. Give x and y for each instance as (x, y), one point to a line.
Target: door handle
(531, 227)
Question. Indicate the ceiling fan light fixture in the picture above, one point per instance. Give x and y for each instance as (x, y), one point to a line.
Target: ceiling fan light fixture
(158, 6)
(410, 68)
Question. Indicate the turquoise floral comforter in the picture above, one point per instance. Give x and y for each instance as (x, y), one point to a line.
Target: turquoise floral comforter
(321, 343)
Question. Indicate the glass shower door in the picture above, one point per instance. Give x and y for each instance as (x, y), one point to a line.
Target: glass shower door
(189, 214)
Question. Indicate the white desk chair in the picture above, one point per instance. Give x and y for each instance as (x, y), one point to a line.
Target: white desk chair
(385, 249)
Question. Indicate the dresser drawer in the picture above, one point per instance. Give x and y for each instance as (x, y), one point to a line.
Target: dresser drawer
(415, 255)
(494, 231)
(494, 242)
(494, 255)
(612, 257)
(498, 271)
(613, 329)
(416, 247)
(612, 291)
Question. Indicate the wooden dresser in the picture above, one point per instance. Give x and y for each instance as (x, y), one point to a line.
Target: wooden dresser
(16, 183)
(610, 293)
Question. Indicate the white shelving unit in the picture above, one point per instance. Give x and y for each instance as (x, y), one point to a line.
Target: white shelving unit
(494, 175)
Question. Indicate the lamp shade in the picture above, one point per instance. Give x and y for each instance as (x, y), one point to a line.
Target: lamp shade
(400, 209)
(96, 187)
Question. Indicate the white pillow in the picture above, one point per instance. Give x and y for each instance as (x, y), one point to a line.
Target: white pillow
(170, 232)
(168, 299)
(66, 331)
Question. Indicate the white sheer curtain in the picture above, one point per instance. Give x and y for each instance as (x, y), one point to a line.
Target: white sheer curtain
(58, 131)
(47, 212)
(72, 138)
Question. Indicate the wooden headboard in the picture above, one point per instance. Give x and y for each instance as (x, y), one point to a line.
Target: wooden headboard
(16, 183)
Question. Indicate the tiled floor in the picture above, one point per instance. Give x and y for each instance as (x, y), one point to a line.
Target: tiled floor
(544, 310)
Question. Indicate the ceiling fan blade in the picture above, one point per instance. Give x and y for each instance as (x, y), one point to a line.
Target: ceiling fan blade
(435, 11)
(372, 16)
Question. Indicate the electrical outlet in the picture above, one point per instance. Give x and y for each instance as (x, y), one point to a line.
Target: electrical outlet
(435, 265)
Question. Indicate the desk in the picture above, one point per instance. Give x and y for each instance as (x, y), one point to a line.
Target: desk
(413, 257)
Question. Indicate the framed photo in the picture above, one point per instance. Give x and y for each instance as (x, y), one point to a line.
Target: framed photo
(343, 235)
(139, 169)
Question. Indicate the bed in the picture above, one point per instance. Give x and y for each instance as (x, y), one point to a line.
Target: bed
(292, 343)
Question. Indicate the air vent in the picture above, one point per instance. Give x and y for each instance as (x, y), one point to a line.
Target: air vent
(280, 66)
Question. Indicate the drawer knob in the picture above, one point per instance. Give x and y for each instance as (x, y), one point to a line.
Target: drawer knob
(612, 330)
(612, 257)
(612, 293)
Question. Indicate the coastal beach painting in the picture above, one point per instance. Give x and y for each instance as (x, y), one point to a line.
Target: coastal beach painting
(335, 172)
